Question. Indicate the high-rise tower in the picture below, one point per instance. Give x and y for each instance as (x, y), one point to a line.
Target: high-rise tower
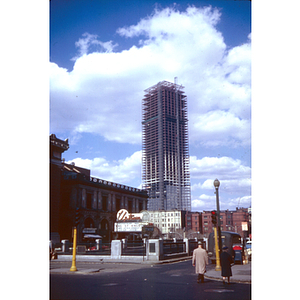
(166, 173)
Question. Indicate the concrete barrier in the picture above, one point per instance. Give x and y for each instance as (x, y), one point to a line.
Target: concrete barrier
(116, 249)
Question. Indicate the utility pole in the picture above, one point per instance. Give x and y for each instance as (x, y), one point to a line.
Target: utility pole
(214, 221)
(73, 267)
(217, 184)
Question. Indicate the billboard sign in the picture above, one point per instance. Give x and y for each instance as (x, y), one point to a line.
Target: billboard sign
(129, 226)
(244, 226)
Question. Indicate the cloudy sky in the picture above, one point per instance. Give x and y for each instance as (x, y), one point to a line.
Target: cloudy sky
(104, 54)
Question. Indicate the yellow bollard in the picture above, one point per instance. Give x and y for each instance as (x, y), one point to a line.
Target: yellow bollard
(73, 267)
(218, 265)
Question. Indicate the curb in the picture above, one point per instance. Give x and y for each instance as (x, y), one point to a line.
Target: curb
(170, 261)
(67, 271)
(231, 280)
(128, 261)
(90, 271)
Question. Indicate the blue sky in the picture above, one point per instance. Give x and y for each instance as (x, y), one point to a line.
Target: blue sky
(104, 54)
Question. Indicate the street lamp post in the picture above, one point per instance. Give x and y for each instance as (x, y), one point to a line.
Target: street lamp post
(216, 185)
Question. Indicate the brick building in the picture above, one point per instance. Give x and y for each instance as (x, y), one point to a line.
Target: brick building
(237, 221)
(193, 221)
(98, 200)
(241, 222)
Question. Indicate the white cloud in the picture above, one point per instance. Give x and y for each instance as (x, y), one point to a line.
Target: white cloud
(231, 185)
(89, 40)
(219, 128)
(169, 21)
(104, 91)
(234, 177)
(204, 202)
(239, 202)
(238, 64)
(122, 171)
(208, 202)
(223, 168)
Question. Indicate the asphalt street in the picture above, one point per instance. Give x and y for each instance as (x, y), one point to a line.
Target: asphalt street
(138, 281)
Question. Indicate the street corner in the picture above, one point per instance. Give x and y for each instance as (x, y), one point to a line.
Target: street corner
(240, 274)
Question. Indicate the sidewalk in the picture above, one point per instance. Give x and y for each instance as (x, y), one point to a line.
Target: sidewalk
(81, 270)
(240, 274)
(128, 259)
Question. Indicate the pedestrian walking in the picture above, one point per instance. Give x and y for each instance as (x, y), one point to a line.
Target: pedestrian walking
(226, 261)
(199, 261)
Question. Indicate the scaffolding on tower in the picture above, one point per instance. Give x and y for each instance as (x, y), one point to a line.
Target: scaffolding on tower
(165, 147)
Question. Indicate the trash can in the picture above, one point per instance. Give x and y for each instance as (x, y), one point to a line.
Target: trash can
(238, 255)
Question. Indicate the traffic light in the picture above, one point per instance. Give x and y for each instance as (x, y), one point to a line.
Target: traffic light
(214, 217)
(77, 217)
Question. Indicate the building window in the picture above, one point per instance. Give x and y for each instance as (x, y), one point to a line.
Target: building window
(89, 201)
(94, 197)
(104, 203)
(83, 203)
(118, 204)
(99, 200)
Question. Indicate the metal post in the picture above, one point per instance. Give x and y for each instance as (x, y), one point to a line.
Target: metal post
(73, 267)
(218, 219)
(217, 184)
(218, 266)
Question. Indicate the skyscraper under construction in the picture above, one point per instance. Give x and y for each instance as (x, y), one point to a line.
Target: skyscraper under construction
(166, 173)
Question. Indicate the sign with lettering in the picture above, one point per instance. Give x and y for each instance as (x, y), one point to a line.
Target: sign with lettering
(124, 215)
(89, 230)
(128, 227)
(244, 226)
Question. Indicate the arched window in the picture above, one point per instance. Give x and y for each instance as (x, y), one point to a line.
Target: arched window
(89, 223)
